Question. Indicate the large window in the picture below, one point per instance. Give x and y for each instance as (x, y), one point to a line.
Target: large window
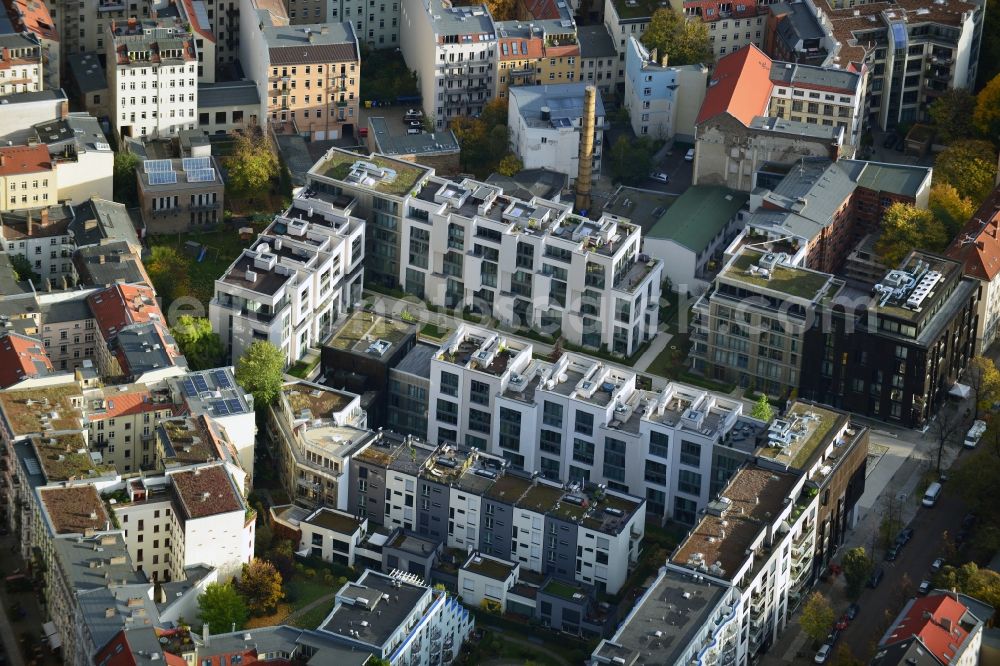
(550, 468)
(690, 453)
(583, 451)
(659, 444)
(584, 423)
(480, 392)
(479, 420)
(614, 459)
(550, 441)
(689, 482)
(510, 430)
(449, 384)
(685, 510)
(552, 414)
(656, 472)
(447, 412)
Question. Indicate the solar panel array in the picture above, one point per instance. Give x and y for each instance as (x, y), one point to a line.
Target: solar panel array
(153, 166)
(162, 177)
(201, 175)
(221, 379)
(188, 386)
(193, 163)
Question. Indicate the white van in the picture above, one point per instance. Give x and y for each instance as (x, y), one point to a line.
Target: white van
(932, 494)
(975, 434)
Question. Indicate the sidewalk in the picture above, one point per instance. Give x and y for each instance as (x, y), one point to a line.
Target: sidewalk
(656, 347)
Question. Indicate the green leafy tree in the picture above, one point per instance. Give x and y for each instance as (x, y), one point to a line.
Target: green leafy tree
(282, 556)
(905, 227)
(983, 584)
(950, 209)
(631, 160)
(844, 657)
(259, 371)
(683, 42)
(762, 410)
(221, 607)
(253, 164)
(260, 585)
(952, 115)
(510, 165)
(970, 167)
(986, 116)
(199, 343)
(168, 271)
(858, 568)
(123, 177)
(817, 617)
(983, 378)
(23, 270)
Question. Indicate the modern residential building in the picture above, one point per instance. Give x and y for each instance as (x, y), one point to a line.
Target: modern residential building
(300, 275)
(699, 613)
(978, 248)
(398, 618)
(439, 149)
(470, 500)
(895, 354)
(663, 101)
(307, 75)
(331, 535)
(180, 195)
(431, 224)
(545, 123)
(691, 234)
(944, 628)
(573, 420)
(360, 355)
(453, 50)
(832, 453)
(755, 541)
(314, 431)
(409, 391)
(763, 297)
(152, 72)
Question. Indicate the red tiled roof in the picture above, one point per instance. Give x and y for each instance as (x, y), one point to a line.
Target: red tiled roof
(20, 357)
(534, 46)
(540, 10)
(977, 245)
(123, 305)
(126, 404)
(34, 17)
(204, 30)
(15, 160)
(740, 86)
(926, 619)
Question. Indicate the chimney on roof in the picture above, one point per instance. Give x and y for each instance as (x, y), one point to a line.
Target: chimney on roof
(945, 623)
(30, 222)
(980, 244)
(665, 59)
(45, 216)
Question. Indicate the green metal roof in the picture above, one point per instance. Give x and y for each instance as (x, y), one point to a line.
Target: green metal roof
(698, 215)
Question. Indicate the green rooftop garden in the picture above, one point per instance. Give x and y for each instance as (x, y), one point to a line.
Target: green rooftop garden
(338, 165)
(797, 282)
(627, 9)
(365, 323)
(561, 589)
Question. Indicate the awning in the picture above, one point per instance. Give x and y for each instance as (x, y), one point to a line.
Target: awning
(960, 391)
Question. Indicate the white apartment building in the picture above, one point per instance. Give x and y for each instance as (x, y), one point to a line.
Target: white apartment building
(445, 241)
(301, 274)
(21, 64)
(581, 420)
(453, 52)
(190, 515)
(331, 535)
(545, 124)
(662, 101)
(421, 626)
(153, 76)
(757, 539)
(314, 431)
(376, 24)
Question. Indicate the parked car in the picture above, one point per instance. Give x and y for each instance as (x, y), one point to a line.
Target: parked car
(842, 622)
(925, 587)
(659, 176)
(689, 155)
(415, 123)
(975, 434)
(876, 578)
(852, 611)
(937, 564)
(831, 638)
(414, 113)
(823, 654)
(904, 536)
(893, 553)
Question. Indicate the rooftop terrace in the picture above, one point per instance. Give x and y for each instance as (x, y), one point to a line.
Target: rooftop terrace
(363, 332)
(66, 457)
(790, 280)
(795, 439)
(319, 402)
(393, 177)
(489, 567)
